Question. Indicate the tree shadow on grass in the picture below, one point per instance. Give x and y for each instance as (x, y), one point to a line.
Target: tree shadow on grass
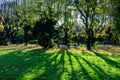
(54, 67)
(41, 65)
(98, 71)
(38, 64)
(84, 74)
(15, 64)
(108, 60)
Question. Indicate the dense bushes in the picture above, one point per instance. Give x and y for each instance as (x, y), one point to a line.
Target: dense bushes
(44, 31)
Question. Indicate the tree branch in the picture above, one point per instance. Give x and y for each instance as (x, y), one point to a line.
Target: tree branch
(80, 11)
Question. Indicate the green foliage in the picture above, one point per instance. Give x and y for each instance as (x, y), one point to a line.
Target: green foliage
(94, 17)
(93, 14)
(115, 28)
(96, 43)
(3, 40)
(33, 42)
(44, 31)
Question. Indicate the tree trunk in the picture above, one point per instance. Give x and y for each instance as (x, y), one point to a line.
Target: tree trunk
(90, 38)
(88, 43)
(66, 37)
(26, 38)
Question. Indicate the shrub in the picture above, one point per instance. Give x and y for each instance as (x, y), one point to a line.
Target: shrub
(96, 43)
(44, 31)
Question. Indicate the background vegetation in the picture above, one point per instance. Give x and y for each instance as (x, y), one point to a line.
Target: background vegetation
(60, 22)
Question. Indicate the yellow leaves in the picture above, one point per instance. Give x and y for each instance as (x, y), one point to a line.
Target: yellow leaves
(97, 35)
(1, 27)
(103, 33)
(3, 19)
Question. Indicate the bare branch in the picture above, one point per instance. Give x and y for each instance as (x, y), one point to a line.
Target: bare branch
(82, 19)
(93, 16)
(80, 11)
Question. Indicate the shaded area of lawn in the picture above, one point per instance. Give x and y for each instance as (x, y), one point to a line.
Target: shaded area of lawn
(57, 64)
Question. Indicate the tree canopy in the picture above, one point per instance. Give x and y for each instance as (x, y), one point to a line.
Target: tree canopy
(92, 20)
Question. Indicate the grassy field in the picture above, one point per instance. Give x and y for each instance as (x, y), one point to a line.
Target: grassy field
(31, 63)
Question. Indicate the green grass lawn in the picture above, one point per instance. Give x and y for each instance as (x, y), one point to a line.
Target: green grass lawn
(58, 64)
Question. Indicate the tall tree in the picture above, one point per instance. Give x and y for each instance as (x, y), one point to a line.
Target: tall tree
(91, 13)
(115, 30)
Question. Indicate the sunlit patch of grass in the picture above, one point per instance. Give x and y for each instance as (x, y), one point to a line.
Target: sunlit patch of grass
(58, 64)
